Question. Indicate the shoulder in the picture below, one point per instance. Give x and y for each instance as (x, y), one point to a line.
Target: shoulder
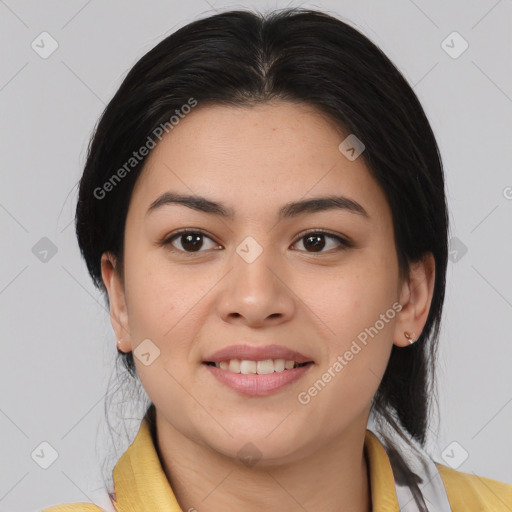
(469, 492)
(73, 507)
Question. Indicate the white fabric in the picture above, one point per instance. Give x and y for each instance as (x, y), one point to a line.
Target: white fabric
(101, 498)
(432, 487)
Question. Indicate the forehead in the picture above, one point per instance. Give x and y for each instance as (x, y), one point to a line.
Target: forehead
(252, 157)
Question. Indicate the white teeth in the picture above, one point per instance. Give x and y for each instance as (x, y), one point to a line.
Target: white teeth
(264, 367)
(247, 366)
(234, 366)
(279, 365)
(256, 367)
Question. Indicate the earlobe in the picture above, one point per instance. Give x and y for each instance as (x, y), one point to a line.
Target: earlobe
(116, 295)
(415, 297)
(410, 338)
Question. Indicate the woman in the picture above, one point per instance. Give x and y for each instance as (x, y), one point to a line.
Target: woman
(263, 206)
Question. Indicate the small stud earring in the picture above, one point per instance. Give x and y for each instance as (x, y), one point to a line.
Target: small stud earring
(409, 338)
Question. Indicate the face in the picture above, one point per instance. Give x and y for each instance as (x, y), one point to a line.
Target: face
(321, 282)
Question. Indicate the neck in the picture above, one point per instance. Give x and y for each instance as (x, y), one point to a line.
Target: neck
(330, 478)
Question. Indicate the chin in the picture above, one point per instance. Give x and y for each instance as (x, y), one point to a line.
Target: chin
(252, 447)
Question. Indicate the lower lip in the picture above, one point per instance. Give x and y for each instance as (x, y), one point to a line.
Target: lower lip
(258, 385)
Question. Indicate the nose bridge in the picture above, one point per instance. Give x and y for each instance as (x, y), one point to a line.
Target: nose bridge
(255, 290)
(253, 262)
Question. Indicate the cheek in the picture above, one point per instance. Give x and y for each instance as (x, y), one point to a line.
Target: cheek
(361, 317)
(358, 308)
(164, 305)
(161, 296)
(355, 298)
(155, 305)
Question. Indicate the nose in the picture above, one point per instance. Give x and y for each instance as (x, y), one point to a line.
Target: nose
(257, 293)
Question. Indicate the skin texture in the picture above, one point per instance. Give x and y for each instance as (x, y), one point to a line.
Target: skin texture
(255, 160)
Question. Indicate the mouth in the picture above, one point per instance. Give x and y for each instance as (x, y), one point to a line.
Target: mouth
(267, 358)
(257, 378)
(262, 367)
(253, 370)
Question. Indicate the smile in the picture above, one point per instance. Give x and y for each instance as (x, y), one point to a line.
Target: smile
(264, 367)
(249, 382)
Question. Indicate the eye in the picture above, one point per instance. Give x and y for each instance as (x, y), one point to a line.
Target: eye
(316, 241)
(190, 241)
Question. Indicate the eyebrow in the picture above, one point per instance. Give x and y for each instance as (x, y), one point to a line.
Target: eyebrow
(289, 210)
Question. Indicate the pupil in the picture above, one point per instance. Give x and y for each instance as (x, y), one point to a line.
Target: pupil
(194, 240)
(318, 242)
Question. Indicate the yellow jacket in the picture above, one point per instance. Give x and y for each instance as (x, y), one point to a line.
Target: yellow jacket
(140, 483)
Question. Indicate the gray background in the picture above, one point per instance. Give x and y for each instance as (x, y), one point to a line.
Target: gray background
(57, 343)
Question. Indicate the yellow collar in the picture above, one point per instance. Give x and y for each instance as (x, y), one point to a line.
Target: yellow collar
(141, 484)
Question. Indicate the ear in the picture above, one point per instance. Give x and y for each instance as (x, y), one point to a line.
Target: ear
(116, 296)
(415, 297)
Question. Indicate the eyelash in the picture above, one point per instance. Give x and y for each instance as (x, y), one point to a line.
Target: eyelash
(167, 241)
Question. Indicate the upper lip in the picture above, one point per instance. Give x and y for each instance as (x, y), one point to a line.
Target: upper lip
(252, 353)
